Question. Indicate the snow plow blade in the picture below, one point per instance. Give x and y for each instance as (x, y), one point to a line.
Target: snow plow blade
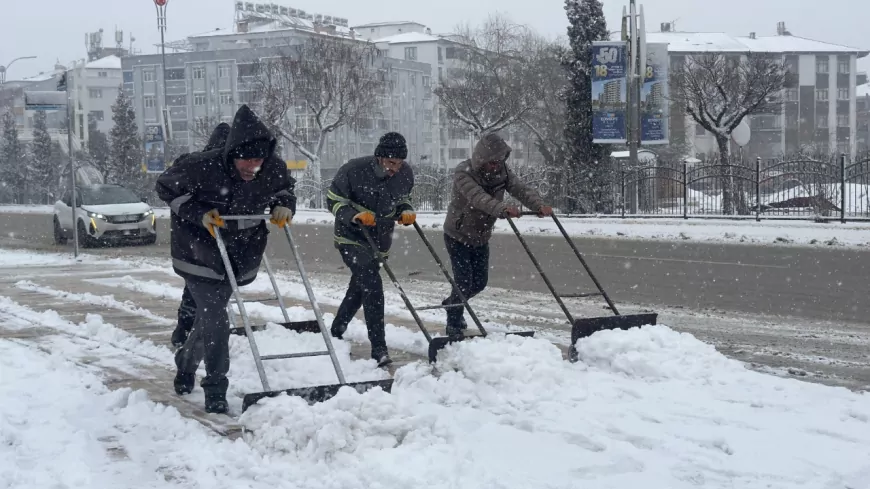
(438, 344)
(585, 327)
(318, 393)
(309, 326)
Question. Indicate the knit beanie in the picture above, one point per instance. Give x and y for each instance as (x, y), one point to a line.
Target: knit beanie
(392, 145)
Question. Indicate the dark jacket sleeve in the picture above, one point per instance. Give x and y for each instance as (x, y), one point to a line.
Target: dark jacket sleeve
(285, 190)
(527, 195)
(338, 198)
(176, 187)
(405, 203)
(476, 196)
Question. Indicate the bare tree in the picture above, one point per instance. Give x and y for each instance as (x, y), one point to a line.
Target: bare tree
(546, 120)
(719, 91)
(201, 130)
(315, 88)
(492, 85)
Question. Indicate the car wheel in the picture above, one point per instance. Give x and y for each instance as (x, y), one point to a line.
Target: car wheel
(59, 238)
(85, 241)
(150, 240)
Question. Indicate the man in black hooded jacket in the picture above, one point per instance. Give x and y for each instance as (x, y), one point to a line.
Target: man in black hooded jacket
(375, 192)
(187, 308)
(241, 178)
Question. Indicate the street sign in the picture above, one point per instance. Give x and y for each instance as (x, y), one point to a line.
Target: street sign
(161, 3)
(45, 100)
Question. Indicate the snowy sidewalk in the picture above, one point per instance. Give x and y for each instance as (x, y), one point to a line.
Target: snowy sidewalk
(769, 232)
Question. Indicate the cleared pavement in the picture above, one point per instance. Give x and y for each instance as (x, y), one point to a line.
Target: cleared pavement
(810, 283)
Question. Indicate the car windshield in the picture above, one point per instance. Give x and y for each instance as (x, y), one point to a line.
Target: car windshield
(107, 195)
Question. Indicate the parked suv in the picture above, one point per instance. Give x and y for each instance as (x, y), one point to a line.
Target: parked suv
(105, 214)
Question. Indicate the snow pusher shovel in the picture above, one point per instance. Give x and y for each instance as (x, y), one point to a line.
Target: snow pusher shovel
(311, 394)
(584, 327)
(435, 344)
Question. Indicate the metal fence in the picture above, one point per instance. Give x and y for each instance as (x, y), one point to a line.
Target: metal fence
(786, 188)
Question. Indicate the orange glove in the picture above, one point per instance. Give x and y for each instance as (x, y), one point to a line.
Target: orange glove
(545, 211)
(407, 218)
(281, 216)
(211, 219)
(365, 218)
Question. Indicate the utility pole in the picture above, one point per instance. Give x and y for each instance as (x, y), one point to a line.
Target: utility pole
(164, 109)
(636, 74)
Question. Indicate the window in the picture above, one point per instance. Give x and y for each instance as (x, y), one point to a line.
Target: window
(440, 55)
(842, 120)
(148, 76)
(148, 101)
(175, 74)
(412, 77)
(95, 93)
(842, 94)
(411, 54)
(792, 95)
(247, 69)
(699, 130)
(177, 101)
(822, 94)
(427, 81)
(198, 73)
(199, 99)
(821, 65)
(226, 98)
(102, 74)
(97, 115)
(223, 71)
(440, 73)
(458, 153)
(843, 66)
(821, 121)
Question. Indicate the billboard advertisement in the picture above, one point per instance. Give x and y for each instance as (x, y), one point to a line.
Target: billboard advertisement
(654, 96)
(609, 91)
(155, 147)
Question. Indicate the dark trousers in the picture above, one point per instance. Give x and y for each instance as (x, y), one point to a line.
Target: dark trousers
(366, 290)
(209, 339)
(471, 273)
(186, 311)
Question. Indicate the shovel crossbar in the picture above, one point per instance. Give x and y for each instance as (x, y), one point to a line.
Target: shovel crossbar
(582, 327)
(438, 343)
(311, 394)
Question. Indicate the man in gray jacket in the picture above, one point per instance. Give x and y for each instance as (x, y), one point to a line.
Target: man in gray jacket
(479, 185)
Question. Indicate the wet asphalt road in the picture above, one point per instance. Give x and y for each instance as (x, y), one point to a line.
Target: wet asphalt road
(786, 281)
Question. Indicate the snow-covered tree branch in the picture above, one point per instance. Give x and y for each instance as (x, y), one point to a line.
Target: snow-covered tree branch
(492, 86)
(315, 88)
(718, 92)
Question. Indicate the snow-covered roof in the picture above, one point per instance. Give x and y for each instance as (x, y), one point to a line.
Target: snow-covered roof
(863, 90)
(408, 37)
(698, 42)
(108, 63)
(718, 42)
(281, 23)
(385, 24)
(795, 44)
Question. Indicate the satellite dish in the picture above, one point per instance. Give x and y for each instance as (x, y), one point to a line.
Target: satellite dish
(741, 134)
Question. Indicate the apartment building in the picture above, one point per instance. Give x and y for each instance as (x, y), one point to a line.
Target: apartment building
(863, 117)
(94, 88)
(821, 102)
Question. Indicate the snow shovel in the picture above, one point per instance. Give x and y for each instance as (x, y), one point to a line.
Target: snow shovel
(437, 344)
(584, 327)
(311, 394)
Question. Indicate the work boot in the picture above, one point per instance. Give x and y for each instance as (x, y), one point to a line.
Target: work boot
(337, 330)
(384, 360)
(216, 396)
(184, 383)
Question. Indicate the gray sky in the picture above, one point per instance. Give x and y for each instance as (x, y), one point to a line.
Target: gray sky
(54, 29)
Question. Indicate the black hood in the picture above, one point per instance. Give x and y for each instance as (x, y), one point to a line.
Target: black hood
(247, 129)
(218, 137)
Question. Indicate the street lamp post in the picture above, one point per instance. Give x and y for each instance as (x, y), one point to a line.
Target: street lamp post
(160, 5)
(4, 68)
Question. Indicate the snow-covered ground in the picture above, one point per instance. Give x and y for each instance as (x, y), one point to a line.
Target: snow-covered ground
(780, 232)
(650, 407)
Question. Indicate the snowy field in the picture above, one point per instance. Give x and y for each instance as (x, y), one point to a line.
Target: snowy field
(649, 407)
(779, 232)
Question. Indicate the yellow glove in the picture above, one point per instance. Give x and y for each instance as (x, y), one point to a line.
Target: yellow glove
(211, 219)
(365, 218)
(281, 216)
(407, 218)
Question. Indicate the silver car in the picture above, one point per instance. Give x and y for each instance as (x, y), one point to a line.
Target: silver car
(105, 214)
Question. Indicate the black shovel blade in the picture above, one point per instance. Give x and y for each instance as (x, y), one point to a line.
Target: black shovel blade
(588, 326)
(309, 326)
(437, 344)
(318, 393)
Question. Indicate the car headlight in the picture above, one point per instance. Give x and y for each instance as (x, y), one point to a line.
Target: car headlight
(94, 215)
(149, 212)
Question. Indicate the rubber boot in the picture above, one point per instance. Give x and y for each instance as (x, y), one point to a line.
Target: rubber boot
(184, 383)
(216, 396)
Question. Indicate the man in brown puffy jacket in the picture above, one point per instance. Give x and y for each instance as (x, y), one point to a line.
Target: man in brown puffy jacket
(479, 185)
